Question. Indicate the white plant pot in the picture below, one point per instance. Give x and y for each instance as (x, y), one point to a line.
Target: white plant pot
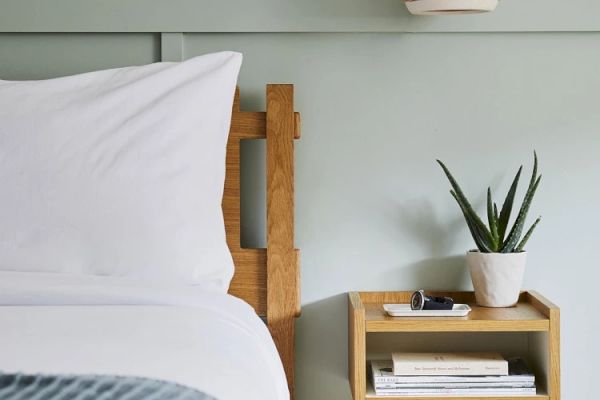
(436, 7)
(497, 277)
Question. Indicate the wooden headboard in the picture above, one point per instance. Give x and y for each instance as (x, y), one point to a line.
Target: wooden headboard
(268, 279)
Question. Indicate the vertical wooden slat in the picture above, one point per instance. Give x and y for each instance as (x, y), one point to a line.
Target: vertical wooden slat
(554, 354)
(282, 269)
(231, 194)
(231, 190)
(552, 311)
(357, 360)
(269, 280)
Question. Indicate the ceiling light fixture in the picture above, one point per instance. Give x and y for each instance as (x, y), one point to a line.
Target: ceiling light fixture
(447, 7)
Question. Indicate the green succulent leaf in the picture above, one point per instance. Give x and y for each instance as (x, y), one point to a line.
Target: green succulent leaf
(492, 221)
(478, 224)
(534, 176)
(517, 229)
(496, 213)
(525, 239)
(493, 239)
(480, 242)
(513, 237)
(507, 206)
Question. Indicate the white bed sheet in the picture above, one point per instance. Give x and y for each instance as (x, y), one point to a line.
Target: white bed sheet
(58, 324)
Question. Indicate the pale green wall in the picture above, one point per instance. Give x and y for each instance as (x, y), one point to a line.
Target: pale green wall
(39, 56)
(373, 209)
(285, 16)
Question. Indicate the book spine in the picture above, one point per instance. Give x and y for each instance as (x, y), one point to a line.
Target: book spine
(499, 367)
(465, 385)
(469, 392)
(454, 379)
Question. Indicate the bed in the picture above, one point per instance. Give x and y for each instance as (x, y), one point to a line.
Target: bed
(70, 330)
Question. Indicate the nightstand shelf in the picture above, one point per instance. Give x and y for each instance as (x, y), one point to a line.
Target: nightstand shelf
(531, 330)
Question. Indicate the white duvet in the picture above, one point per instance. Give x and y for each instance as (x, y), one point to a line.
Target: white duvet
(55, 324)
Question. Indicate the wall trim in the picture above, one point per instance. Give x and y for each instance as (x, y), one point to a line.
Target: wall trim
(205, 16)
(171, 46)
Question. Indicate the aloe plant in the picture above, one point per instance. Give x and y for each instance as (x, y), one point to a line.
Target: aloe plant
(495, 236)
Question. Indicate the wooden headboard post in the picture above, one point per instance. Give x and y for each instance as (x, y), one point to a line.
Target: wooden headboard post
(283, 281)
(268, 279)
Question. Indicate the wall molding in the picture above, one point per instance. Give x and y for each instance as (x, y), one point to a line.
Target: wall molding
(204, 16)
(171, 46)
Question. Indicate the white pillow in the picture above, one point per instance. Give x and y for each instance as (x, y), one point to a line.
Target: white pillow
(119, 172)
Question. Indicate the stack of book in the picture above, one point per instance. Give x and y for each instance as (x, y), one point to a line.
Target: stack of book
(452, 374)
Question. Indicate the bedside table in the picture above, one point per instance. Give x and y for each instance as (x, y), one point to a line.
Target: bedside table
(531, 329)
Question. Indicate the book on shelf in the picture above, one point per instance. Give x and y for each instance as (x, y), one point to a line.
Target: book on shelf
(456, 392)
(519, 373)
(458, 385)
(449, 364)
(519, 382)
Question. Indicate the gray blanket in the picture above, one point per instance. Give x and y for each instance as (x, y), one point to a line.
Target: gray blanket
(92, 387)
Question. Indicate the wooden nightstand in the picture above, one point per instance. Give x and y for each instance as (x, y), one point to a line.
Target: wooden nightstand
(531, 330)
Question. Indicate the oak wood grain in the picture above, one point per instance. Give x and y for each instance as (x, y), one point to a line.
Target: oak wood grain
(534, 313)
(552, 312)
(283, 300)
(250, 280)
(252, 125)
(231, 195)
(554, 355)
(268, 279)
(523, 317)
(541, 303)
(356, 346)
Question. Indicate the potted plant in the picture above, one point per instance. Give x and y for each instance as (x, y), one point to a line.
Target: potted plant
(498, 264)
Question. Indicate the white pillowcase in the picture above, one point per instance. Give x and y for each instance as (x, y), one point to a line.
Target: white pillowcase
(119, 172)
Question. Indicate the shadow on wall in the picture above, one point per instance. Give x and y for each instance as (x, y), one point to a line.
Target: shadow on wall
(322, 341)
(440, 273)
(419, 221)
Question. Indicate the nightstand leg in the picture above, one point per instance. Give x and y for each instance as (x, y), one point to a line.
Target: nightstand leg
(554, 354)
(357, 363)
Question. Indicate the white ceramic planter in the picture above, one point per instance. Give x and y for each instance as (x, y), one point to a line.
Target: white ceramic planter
(497, 277)
(436, 7)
